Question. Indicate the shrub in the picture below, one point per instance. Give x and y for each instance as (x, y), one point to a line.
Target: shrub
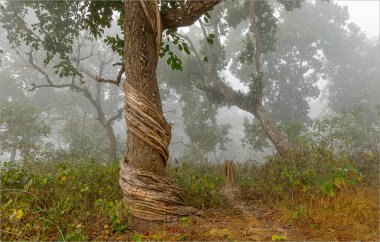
(56, 200)
(200, 183)
(81, 199)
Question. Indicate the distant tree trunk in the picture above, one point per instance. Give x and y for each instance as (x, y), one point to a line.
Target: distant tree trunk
(277, 138)
(13, 154)
(111, 141)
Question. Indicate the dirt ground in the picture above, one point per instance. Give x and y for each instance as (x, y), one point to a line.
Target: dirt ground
(239, 220)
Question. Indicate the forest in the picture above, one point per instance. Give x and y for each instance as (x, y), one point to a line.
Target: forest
(186, 120)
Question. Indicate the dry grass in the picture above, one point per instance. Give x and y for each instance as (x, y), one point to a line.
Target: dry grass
(352, 214)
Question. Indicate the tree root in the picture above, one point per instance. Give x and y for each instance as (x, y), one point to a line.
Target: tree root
(152, 197)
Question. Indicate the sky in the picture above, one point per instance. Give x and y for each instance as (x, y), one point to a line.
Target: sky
(365, 14)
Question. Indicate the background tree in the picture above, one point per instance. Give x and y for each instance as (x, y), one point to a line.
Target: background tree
(324, 48)
(103, 99)
(354, 81)
(22, 128)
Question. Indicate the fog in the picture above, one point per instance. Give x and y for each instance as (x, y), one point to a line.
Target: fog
(322, 65)
(189, 120)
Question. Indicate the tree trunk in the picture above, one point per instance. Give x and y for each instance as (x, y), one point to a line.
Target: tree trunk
(13, 154)
(277, 138)
(148, 193)
(140, 71)
(111, 141)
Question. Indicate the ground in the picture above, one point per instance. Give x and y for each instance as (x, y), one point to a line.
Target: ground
(239, 220)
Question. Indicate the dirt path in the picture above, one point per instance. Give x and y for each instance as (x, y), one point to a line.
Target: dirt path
(239, 220)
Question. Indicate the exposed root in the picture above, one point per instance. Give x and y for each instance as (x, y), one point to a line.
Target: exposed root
(152, 197)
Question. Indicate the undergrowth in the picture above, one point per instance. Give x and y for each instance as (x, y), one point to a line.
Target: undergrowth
(326, 195)
(329, 196)
(81, 199)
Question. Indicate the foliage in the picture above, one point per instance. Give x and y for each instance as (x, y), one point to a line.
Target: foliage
(354, 80)
(313, 189)
(84, 141)
(350, 130)
(335, 153)
(353, 130)
(22, 127)
(58, 200)
(315, 171)
(256, 139)
(200, 182)
(81, 200)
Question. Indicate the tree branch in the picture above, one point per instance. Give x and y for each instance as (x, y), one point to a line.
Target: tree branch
(34, 86)
(188, 14)
(192, 48)
(118, 78)
(118, 115)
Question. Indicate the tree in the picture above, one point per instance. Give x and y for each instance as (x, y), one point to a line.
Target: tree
(83, 59)
(148, 140)
(315, 42)
(208, 75)
(354, 81)
(22, 127)
(148, 193)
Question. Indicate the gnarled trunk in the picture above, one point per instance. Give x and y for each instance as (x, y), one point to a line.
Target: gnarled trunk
(147, 192)
(140, 71)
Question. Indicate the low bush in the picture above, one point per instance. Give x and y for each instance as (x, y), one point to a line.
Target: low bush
(82, 200)
(60, 200)
(200, 183)
(329, 195)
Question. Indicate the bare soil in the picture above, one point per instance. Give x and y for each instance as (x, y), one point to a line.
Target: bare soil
(238, 220)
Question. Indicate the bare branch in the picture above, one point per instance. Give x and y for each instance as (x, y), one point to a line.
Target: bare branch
(87, 56)
(118, 78)
(34, 86)
(192, 48)
(31, 61)
(118, 115)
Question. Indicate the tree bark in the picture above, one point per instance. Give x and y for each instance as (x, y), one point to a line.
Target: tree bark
(111, 141)
(277, 138)
(13, 154)
(140, 71)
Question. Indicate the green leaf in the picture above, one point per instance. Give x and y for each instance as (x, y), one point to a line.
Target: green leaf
(278, 238)
(210, 40)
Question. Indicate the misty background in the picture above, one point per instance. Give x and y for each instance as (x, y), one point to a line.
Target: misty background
(325, 61)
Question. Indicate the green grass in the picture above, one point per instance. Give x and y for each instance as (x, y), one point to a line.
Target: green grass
(328, 196)
(81, 199)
